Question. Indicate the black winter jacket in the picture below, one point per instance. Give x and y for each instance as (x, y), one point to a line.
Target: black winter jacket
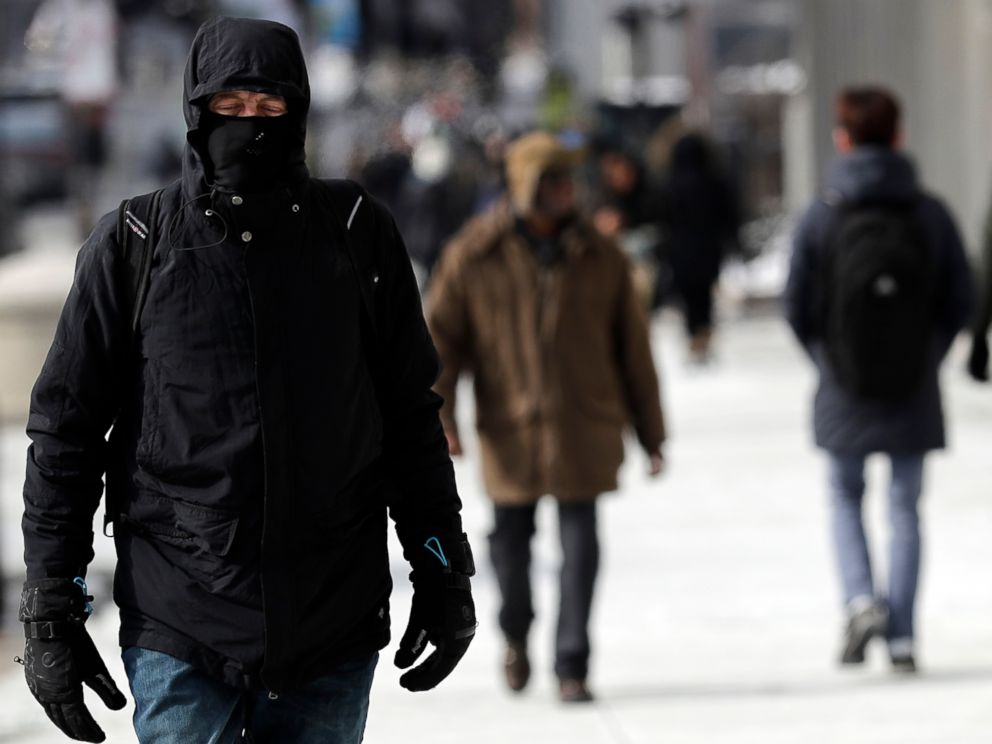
(983, 314)
(700, 213)
(843, 423)
(260, 424)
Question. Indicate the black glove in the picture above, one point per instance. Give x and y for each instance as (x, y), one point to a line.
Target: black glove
(978, 361)
(59, 656)
(442, 614)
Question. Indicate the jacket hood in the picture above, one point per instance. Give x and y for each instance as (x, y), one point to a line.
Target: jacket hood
(530, 156)
(873, 173)
(241, 54)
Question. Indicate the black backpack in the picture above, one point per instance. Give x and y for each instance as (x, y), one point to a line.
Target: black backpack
(878, 298)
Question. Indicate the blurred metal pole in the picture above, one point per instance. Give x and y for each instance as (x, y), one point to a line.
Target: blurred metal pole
(697, 111)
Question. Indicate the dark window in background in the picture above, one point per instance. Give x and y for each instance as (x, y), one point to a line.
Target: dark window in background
(749, 121)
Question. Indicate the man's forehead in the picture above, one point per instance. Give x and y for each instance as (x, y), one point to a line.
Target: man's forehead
(244, 95)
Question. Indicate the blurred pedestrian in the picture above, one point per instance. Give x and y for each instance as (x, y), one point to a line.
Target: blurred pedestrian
(429, 188)
(82, 36)
(978, 359)
(266, 406)
(628, 210)
(701, 219)
(878, 289)
(541, 309)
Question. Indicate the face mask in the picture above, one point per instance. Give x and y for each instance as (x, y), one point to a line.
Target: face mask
(249, 153)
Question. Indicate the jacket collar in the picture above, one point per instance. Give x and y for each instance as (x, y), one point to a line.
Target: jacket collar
(869, 172)
(488, 232)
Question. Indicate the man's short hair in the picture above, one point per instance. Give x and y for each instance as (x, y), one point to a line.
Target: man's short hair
(869, 115)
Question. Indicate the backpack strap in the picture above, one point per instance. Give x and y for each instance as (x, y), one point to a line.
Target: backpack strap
(137, 234)
(352, 213)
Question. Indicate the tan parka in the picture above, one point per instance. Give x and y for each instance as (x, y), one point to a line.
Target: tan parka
(560, 358)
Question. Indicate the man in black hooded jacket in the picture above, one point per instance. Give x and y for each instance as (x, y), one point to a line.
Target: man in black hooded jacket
(271, 403)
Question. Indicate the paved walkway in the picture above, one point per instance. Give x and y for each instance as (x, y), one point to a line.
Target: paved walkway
(717, 617)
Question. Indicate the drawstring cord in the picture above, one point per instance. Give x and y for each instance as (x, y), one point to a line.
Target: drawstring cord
(209, 213)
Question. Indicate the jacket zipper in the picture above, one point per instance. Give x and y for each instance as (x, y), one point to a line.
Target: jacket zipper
(265, 469)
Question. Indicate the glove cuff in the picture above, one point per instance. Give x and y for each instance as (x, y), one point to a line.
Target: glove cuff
(444, 555)
(47, 630)
(461, 559)
(52, 602)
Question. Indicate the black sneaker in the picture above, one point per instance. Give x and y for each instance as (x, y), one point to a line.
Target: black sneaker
(903, 664)
(862, 626)
(516, 666)
(574, 691)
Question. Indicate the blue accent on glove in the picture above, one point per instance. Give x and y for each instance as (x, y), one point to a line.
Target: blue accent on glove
(81, 583)
(439, 551)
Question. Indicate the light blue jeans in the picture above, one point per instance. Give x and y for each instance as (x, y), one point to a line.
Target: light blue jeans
(175, 703)
(847, 486)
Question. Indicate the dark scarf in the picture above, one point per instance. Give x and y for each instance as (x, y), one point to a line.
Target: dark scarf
(548, 250)
(251, 154)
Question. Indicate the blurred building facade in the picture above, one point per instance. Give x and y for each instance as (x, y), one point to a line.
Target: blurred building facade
(758, 74)
(937, 56)
(761, 75)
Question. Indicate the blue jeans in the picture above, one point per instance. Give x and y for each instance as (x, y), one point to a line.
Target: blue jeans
(175, 703)
(847, 485)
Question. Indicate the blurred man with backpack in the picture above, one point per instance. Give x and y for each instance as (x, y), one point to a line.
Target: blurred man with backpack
(878, 289)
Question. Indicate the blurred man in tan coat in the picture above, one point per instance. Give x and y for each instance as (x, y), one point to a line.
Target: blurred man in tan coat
(539, 308)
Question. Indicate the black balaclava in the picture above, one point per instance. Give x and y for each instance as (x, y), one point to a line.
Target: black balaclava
(250, 153)
(245, 154)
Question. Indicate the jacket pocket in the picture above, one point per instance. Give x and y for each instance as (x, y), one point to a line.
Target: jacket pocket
(206, 528)
(602, 408)
(193, 538)
(500, 411)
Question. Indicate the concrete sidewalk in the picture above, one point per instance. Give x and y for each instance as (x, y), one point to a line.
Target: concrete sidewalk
(717, 617)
